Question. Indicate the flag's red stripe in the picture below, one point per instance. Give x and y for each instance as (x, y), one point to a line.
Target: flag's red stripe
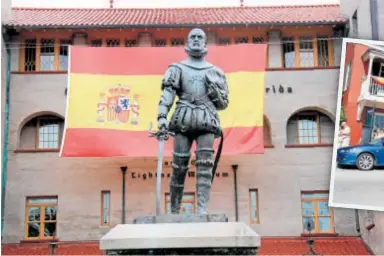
(155, 60)
(87, 142)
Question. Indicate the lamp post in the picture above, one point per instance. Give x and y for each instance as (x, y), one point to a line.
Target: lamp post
(310, 225)
(52, 245)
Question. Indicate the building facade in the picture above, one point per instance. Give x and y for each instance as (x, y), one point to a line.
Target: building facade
(275, 193)
(365, 17)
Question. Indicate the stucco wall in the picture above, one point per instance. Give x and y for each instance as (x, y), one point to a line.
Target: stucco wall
(5, 10)
(375, 236)
(279, 175)
(351, 95)
(348, 7)
(380, 10)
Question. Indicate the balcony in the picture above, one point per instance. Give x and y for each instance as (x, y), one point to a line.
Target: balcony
(372, 94)
(372, 83)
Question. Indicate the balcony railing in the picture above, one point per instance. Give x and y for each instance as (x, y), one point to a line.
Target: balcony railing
(376, 88)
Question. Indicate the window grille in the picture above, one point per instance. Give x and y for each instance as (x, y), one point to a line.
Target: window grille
(289, 55)
(160, 42)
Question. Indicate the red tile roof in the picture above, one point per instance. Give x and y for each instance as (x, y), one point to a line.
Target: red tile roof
(157, 17)
(323, 246)
(269, 246)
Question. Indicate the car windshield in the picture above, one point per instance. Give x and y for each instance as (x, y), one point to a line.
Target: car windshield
(375, 142)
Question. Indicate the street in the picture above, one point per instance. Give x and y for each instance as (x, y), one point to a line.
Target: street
(364, 188)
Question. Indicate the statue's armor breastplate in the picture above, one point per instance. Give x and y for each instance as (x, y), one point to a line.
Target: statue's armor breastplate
(193, 81)
(194, 112)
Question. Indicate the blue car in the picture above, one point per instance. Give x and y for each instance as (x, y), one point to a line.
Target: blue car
(365, 157)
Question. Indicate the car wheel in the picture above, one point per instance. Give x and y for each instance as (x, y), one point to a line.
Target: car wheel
(365, 162)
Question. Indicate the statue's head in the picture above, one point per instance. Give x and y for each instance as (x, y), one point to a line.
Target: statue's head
(196, 43)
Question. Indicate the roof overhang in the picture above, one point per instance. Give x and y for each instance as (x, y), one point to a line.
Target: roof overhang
(189, 25)
(373, 52)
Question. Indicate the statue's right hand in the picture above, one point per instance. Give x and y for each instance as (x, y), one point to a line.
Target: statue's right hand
(162, 124)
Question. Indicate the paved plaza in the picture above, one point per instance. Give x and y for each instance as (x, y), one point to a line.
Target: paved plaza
(365, 188)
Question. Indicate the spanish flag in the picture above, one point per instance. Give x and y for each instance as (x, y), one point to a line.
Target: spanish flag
(379, 80)
(113, 95)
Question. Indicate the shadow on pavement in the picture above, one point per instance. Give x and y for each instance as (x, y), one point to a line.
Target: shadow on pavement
(349, 167)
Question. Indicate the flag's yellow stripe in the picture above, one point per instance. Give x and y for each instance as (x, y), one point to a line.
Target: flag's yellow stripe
(246, 100)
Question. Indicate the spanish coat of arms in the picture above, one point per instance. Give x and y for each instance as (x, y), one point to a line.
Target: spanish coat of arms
(118, 105)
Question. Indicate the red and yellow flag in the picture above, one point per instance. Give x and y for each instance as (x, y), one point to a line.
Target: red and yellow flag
(113, 94)
(379, 80)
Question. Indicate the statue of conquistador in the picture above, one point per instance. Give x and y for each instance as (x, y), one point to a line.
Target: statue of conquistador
(202, 90)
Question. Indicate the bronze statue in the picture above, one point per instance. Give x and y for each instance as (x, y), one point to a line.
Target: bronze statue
(202, 90)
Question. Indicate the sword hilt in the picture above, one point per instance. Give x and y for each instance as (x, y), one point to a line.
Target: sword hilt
(162, 134)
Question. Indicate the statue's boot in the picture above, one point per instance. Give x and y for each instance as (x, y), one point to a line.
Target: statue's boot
(180, 168)
(204, 164)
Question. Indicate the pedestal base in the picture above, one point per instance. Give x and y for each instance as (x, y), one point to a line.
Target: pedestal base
(181, 238)
(186, 251)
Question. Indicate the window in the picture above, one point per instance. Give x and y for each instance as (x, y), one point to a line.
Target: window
(310, 127)
(315, 206)
(105, 207)
(42, 133)
(257, 40)
(63, 55)
(97, 43)
(347, 78)
(113, 42)
(160, 42)
(29, 55)
(241, 40)
(40, 218)
(254, 206)
(45, 54)
(224, 41)
(187, 205)
(377, 68)
(130, 43)
(306, 51)
(381, 71)
(289, 55)
(177, 41)
(377, 118)
(323, 52)
(267, 132)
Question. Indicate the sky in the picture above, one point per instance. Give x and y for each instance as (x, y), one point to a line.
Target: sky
(159, 3)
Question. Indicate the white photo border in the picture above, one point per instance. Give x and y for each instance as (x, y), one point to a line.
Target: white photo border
(337, 125)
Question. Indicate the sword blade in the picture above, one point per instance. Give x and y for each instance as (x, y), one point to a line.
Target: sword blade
(158, 178)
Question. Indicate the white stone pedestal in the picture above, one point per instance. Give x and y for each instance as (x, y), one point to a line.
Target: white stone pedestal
(181, 238)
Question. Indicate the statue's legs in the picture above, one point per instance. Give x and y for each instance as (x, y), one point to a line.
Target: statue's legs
(204, 164)
(181, 156)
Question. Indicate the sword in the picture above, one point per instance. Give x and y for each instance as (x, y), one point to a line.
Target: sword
(162, 136)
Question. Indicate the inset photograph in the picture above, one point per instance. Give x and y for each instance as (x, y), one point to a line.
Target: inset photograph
(357, 179)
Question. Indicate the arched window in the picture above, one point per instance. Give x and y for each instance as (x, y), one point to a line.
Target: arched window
(267, 132)
(310, 127)
(42, 133)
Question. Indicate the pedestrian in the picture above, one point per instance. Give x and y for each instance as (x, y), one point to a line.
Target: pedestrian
(344, 135)
(380, 134)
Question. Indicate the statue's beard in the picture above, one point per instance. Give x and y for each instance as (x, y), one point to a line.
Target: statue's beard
(196, 54)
